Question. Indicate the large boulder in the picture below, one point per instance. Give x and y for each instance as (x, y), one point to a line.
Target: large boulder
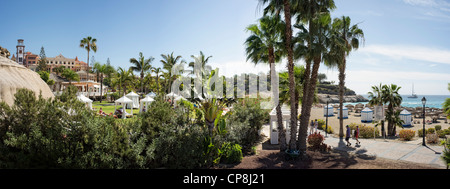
(14, 77)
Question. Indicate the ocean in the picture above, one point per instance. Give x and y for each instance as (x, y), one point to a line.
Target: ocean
(433, 101)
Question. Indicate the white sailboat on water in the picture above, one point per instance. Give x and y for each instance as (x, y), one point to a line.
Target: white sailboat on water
(413, 95)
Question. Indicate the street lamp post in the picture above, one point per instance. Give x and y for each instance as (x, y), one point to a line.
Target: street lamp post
(326, 122)
(424, 101)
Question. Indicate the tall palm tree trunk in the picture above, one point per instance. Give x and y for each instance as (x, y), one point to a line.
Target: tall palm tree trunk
(275, 90)
(288, 35)
(142, 81)
(341, 97)
(308, 104)
(303, 120)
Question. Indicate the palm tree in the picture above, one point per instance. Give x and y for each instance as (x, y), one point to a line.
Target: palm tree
(377, 99)
(100, 69)
(316, 14)
(123, 77)
(158, 72)
(141, 65)
(299, 71)
(395, 120)
(285, 6)
(89, 44)
(391, 96)
(169, 61)
(70, 75)
(265, 45)
(343, 39)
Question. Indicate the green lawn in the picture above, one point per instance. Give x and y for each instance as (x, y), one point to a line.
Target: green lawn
(108, 107)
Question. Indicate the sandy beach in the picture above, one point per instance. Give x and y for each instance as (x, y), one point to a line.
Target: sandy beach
(333, 121)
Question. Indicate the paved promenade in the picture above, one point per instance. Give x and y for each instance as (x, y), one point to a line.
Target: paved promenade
(412, 151)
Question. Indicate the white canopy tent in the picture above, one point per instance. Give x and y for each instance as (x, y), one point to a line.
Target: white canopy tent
(406, 117)
(172, 95)
(85, 100)
(328, 111)
(366, 115)
(135, 98)
(122, 101)
(145, 102)
(151, 94)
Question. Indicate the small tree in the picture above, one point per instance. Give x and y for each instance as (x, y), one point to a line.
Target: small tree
(42, 63)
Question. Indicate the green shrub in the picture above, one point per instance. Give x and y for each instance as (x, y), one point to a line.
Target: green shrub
(438, 127)
(245, 122)
(406, 134)
(159, 115)
(420, 132)
(440, 133)
(52, 133)
(431, 131)
(180, 148)
(231, 153)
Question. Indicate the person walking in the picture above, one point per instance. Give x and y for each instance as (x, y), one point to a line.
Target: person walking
(357, 135)
(316, 124)
(311, 127)
(347, 137)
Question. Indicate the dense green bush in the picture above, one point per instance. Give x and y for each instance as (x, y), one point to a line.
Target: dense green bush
(178, 148)
(245, 121)
(231, 153)
(443, 132)
(49, 133)
(438, 127)
(420, 132)
(431, 131)
(63, 133)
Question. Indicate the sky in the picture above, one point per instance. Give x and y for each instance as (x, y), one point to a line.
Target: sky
(406, 41)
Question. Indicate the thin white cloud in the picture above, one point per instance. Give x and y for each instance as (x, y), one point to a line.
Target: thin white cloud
(421, 2)
(432, 9)
(231, 68)
(410, 52)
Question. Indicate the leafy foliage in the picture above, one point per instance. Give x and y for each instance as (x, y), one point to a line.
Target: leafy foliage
(245, 122)
(406, 134)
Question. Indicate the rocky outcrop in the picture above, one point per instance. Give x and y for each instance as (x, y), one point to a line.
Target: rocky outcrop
(323, 98)
(14, 76)
(4, 52)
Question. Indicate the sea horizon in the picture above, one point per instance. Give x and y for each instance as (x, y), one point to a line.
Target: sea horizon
(433, 101)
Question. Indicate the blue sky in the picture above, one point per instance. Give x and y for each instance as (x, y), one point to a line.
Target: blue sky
(407, 41)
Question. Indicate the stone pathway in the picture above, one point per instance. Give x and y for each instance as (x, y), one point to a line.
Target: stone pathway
(412, 151)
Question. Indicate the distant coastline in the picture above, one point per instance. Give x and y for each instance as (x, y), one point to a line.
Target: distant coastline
(433, 101)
